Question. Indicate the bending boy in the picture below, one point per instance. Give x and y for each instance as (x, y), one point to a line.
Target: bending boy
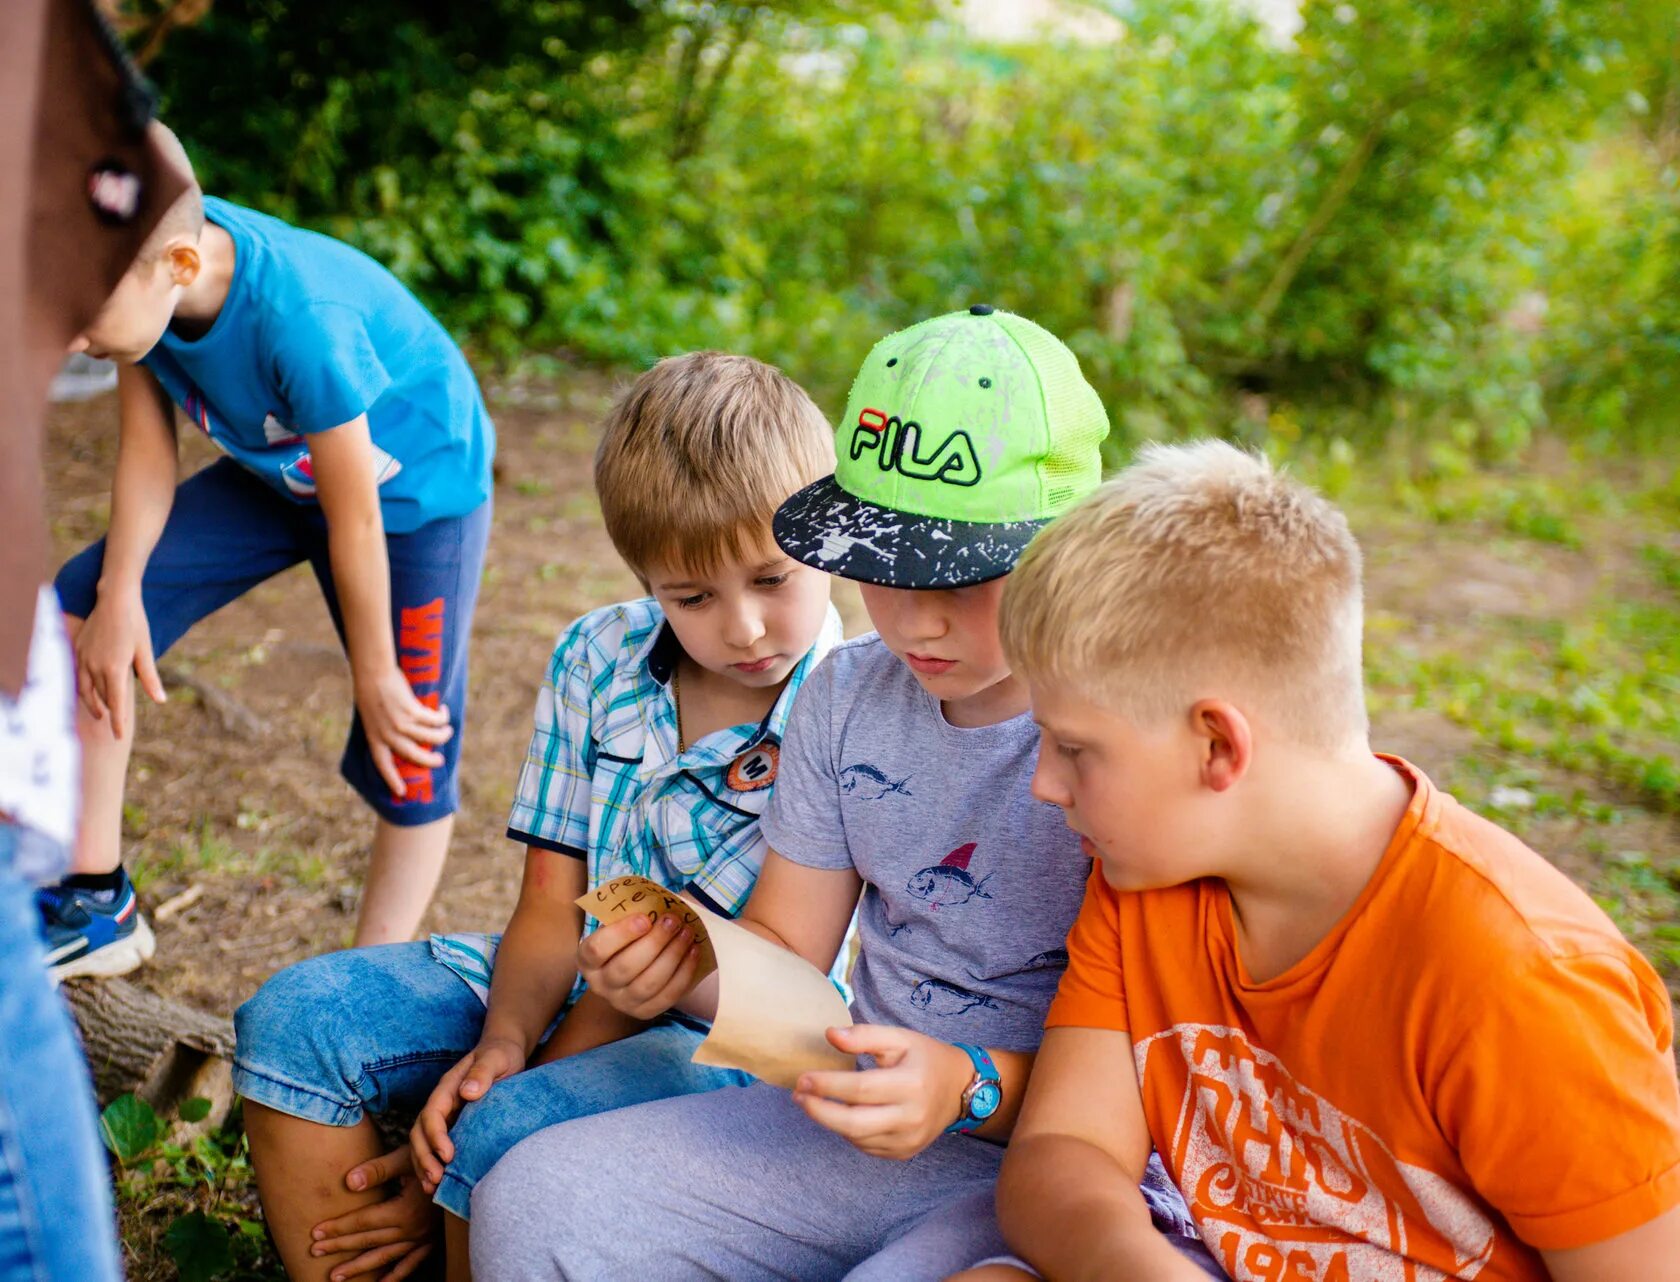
(904, 777)
(356, 441)
(1371, 1034)
(657, 736)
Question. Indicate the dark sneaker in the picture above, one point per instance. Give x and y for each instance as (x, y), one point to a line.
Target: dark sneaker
(93, 932)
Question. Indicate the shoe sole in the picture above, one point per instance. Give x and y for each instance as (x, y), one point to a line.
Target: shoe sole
(112, 960)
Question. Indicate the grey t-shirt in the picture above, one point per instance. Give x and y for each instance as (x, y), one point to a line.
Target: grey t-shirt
(970, 884)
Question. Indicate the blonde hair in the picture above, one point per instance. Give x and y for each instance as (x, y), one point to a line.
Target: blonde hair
(1198, 572)
(698, 454)
(185, 216)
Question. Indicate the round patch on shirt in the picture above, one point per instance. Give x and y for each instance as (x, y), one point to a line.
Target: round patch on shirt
(756, 769)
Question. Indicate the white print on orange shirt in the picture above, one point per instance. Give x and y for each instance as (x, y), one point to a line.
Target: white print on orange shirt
(1284, 1187)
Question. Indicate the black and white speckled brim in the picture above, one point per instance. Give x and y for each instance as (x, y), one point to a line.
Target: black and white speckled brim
(828, 529)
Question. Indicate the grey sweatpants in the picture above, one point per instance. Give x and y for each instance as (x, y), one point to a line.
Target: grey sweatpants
(739, 1184)
(735, 1184)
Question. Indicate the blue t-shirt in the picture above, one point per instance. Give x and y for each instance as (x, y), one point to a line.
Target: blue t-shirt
(312, 334)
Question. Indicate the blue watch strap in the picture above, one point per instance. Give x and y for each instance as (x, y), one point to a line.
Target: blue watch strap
(985, 1074)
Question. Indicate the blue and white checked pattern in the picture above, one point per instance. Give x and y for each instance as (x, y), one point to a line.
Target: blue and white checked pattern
(603, 780)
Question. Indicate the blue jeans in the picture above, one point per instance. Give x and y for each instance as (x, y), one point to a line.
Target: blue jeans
(371, 1030)
(56, 1220)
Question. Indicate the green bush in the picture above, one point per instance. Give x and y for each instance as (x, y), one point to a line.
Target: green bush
(1434, 213)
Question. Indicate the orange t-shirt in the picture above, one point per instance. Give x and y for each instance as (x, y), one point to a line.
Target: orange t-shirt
(1471, 1066)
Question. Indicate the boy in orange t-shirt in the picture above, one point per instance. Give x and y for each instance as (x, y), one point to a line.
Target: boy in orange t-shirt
(1372, 1035)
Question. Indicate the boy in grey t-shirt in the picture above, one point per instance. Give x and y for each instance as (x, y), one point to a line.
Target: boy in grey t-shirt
(904, 776)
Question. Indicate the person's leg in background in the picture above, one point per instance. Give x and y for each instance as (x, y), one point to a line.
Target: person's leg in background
(56, 1217)
(435, 574)
(226, 533)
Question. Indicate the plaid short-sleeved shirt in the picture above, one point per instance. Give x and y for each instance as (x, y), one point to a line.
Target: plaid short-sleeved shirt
(603, 780)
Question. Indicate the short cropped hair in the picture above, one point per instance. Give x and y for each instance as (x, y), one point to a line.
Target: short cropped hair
(698, 454)
(186, 215)
(1198, 572)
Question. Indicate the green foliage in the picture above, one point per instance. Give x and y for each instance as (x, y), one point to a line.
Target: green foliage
(129, 1128)
(203, 1186)
(1450, 217)
(199, 1246)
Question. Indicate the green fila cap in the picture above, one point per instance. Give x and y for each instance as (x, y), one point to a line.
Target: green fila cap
(962, 437)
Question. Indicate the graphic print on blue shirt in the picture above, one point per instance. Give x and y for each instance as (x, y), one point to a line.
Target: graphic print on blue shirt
(313, 334)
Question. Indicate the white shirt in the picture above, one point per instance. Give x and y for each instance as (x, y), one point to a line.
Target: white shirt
(39, 756)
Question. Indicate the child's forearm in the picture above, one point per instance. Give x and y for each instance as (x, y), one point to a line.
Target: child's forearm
(535, 967)
(1074, 1213)
(143, 488)
(362, 577)
(591, 1022)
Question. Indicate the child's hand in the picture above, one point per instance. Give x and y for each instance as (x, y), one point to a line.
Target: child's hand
(396, 1234)
(479, 1070)
(641, 968)
(397, 725)
(897, 1108)
(113, 639)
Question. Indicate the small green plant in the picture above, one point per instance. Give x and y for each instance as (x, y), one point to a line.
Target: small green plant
(202, 1185)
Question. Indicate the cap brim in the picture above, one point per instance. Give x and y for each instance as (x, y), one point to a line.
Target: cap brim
(828, 529)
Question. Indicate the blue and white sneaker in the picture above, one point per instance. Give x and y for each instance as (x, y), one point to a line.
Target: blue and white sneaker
(93, 932)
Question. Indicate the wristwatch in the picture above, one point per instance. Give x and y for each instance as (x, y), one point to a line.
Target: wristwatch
(981, 1097)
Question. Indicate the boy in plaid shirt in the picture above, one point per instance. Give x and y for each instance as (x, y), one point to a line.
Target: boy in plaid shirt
(657, 736)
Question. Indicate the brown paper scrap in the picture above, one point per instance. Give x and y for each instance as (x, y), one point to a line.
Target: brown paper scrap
(774, 1007)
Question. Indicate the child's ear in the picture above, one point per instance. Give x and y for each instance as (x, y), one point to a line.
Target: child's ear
(1225, 741)
(183, 262)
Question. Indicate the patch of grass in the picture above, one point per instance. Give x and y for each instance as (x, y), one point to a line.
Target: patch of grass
(1643, 899)
(1599, 695)
(193, 1200)
(1664, 564)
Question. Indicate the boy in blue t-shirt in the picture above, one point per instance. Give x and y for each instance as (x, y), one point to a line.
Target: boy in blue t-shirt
(357, 441)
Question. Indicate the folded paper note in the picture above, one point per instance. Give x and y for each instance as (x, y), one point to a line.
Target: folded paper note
(774, 1007)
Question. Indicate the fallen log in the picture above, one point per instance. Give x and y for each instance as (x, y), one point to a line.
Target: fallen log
(163, 1051)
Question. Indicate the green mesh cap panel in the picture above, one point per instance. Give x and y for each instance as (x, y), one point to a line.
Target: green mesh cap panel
(1072, 466)
(976, 416)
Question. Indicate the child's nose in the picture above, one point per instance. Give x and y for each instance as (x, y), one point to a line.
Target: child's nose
(745, 627)
(1045, 786)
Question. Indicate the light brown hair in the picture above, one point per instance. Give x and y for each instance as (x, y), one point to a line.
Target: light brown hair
(186, 215)
(1198, 572)
(698, 454)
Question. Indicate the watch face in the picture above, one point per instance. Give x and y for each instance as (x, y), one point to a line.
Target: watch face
(985, 1101)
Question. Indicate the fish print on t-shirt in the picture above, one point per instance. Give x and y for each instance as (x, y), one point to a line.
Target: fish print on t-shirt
(940, 998)
(948, 882)
(869, 783)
